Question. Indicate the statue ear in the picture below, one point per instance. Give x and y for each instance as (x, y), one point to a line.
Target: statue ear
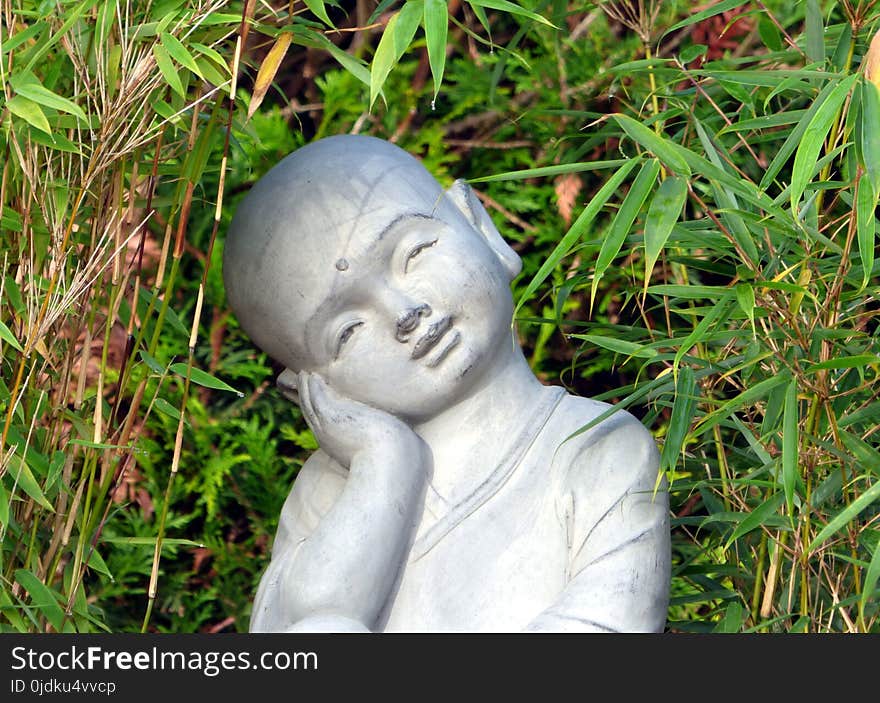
(464, 198)
(286, 383)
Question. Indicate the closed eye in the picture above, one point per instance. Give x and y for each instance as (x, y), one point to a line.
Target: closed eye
(345, 335)
(416, 250)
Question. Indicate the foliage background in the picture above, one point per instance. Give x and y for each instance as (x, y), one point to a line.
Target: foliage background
(693, 192)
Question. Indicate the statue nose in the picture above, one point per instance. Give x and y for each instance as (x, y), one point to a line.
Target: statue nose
(409, 320)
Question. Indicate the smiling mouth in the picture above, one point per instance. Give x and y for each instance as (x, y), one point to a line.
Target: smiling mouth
(430, 339)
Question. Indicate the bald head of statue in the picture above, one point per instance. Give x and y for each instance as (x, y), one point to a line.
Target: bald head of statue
(319, 207)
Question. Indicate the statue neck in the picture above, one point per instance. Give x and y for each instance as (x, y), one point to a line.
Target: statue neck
(467, 438)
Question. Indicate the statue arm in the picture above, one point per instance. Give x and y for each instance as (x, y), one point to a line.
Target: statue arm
(618, 536)
(342, 542)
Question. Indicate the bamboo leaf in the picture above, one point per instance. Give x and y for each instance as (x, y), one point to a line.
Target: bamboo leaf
(203, 378)
(717, 314)
(815, 33)
(576, 230)
(870, 130)
(756, 518)
(7, 336)
(852, 511)
(866, 224)
(4, 507)
(871, 577)
(29, 111)
(790, 444)
(654, 143)
(623, 221)
(21, 473)
(794, 138)
(317, 7)
(512, 8)
(556, 170)
(267, 71)
(395, 40)
(844, 362)
(663, 213)
(42, 598)
(680, 421)
(166, 68)
(151, 362)
(39, 94)
(436, 23)
(716, 9)
(179, 52)
(745, 296)
(811, 144)
(621, 346)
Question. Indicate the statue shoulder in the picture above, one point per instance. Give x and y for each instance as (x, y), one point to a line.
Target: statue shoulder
(615, 449)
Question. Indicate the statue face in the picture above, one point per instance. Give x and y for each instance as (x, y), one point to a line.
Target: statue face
(419, 311)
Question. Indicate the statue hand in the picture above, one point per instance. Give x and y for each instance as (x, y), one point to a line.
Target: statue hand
(346, 428)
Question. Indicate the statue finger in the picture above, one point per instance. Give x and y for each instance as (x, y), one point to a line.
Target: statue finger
(306, 403)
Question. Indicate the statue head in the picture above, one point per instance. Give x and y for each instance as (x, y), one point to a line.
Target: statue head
(348, 259)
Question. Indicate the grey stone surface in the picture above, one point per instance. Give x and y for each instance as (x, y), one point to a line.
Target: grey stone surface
(446, 494)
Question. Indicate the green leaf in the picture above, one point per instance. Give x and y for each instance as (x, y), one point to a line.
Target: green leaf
(166, 67)
(21, 474)
(380, 8)
(866, 224)
(755, 518)
(203, 378)
(151, 541)
(623, 221)
(844, 362)
(871, 577)
(21, 37)
(849, 513)
(815, 33)
(55, 141)
(512, 8)
(654, 143)
(680, 421)
(29, 111)
(39, 94)
(794, 138)
(97, 563)
(663, 213)
(436, 27)
(151, 362)
(790, 444)
(179, 52)
(811, 144)
(576, 230)
(4, 507)
(705, 14)
(166, 408)
(9, 338)
(317, 7)
(718, 313)
(543, 171)
(621, 346)
(745, 296)
(395, 40)
(870, 131)
(769, 34)
(768, 121)
(42, 598)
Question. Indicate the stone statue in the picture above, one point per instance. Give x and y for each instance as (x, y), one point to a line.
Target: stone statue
(447, 494)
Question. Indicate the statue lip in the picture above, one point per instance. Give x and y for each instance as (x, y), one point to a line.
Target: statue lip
(431, 337)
